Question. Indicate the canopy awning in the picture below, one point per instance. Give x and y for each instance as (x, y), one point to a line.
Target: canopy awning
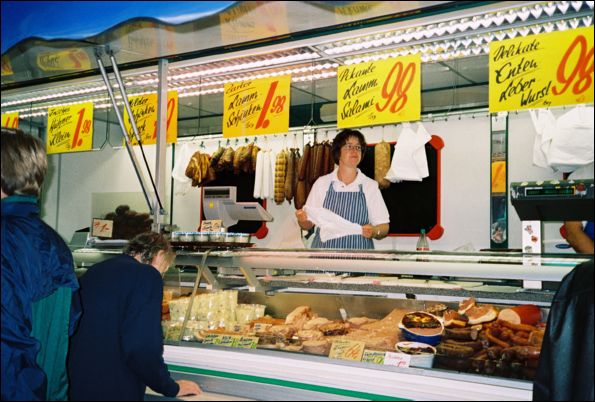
(46, 40)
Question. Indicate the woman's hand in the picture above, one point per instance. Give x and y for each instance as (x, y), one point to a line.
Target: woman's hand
(368, 231)
(375, 232)
(188, 388)
(302, 218)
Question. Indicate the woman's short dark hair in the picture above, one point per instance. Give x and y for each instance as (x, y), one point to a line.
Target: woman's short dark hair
(148, 244)
(341, 139)
(24, 163)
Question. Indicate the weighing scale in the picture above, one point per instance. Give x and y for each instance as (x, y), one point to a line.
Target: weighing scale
(554, 200)
(220, 203)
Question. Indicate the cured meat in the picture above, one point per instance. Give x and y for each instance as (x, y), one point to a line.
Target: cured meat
(526, 314)
(299, 316)
(280, 171)
(321, 347)
(454, 319)
(300, 194)
(466, 305)
(303, 165)
(480, 314)
(382, 164)
(357, 322)
(315, 323)
(290, 174)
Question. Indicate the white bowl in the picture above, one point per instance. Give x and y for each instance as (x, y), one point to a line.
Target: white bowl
(421, 359)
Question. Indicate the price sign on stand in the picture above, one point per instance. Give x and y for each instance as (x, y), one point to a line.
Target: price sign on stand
(213, 225)
(551, 69)
(102, 228)
(397, 359)
(256, 107)
(379, 92)
(347, 350)
(70, 128)
(144, 110)
(373, 356)
(10, 120)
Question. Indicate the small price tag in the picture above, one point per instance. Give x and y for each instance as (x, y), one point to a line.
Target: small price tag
(212, 339)
(213, 225)
(373, 356)
(247, 342)
(397, 359)
(347, 350)
(230, 341)
(102, 228)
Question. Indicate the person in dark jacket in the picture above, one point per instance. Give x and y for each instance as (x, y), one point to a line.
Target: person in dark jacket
(117, 349)
(38, 280)
(565, 371)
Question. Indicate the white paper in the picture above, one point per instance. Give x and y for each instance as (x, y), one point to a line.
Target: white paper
(572, 143)
(179, 171)
(409, 159)
(331, 225)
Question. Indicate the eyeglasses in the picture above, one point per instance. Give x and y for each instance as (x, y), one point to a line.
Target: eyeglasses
(350, 147)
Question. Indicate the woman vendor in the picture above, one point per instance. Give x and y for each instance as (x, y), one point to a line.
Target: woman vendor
(346, 204)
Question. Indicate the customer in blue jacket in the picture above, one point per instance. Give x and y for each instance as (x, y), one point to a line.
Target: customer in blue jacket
(38, 280)
(117, 349)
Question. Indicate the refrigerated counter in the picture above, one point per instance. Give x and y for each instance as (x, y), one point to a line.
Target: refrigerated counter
(339, 285)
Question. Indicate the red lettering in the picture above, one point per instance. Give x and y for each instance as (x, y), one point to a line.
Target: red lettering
(397, 93)
(582, 68)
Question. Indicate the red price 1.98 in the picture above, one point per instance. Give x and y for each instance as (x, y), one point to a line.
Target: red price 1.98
(86, 128)
(277, 106)
(581, 73)
(394, 89)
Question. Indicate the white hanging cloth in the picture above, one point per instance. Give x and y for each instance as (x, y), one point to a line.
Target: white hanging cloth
(258, 173)
(409, 159)
(178, 173)
(544, 123)
(572, 143)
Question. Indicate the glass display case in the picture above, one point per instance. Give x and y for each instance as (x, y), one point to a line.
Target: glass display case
(320, 324)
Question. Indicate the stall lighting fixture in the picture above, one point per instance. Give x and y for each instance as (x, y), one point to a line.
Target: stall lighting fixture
(231, 68)
(446, 29)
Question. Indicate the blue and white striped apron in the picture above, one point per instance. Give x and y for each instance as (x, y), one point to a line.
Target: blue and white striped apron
(350, 205)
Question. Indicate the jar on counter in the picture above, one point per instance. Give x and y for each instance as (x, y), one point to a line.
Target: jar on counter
(217, 236)
(230, 237)
(242, 238)
(186, 236)
(202, 236)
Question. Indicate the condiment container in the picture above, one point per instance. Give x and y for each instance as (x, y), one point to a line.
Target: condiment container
(186, 236)
(242, 238)
(201, 236)
(422, 354)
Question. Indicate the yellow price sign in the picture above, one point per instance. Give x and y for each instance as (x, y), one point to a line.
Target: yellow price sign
(10, 120)
(379, 92)
(544, 70)
(70, 128)
(347, 350)
(256, 107)
(144, 110)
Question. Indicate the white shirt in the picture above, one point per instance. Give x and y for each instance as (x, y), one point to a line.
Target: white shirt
(377, 211)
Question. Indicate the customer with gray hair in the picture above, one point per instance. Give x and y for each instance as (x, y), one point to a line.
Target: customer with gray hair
(38, 280)
(117, 351)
